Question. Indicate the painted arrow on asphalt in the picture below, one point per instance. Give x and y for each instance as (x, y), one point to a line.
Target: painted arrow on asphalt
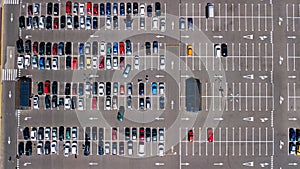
(248, 119)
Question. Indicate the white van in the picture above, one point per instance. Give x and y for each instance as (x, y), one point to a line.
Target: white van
(210, 10)
(141, 149)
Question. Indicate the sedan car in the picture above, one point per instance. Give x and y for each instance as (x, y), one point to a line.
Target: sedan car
(190, 136)
(292, 134)
(224, 49)
(210, 135)
(217, 50)
(114, 134)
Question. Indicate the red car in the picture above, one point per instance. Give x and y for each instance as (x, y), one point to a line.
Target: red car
(94, 103)
(55, 23)
(68, 7)
(114, 134)
(95, 9)
(89, 8)
(29, 10)
(101, 62)
(122, 50)
(210, 135)
(191, 136)
(74, 63)
(122, 63)
(54, 49)
(142, 134)
(47, 87)
(35, 47)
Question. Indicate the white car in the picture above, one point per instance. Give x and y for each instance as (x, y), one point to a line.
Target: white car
(80, 104)
(142, 8)
(47, 133)
(108, 103)
(81, 8)
(36, 102)
(53, 147)
(33, 134)
(108, 62)
(54, 133)
(101, 89)
(161, 88)
(54, 63)
(162, 62)
(102, 48)
(217, 50)
(161, 149)
(74, 133)
(69, 22)
(115, 63)
(42, 22)
(36, 9)
(74, 147)
(108, 22)
(155, 23)
(39, 148)
(66, 149)
(161, 134)
(82, 22)
(107, 148)
(95, 62)
(27, 60)
(67, 102)
(163, 24)
(21, 62)
(136, 62)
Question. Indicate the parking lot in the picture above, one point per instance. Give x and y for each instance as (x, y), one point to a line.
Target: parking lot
(106, 68)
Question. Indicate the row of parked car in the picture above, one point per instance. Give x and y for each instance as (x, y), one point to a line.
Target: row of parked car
(95, 9)
(219, 50)
(294, 141)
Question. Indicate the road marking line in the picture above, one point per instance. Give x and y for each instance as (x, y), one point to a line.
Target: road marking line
(206, 56)
(240, 141)
(294, 106)
(253, 65)
(240, 102)
(213, 143)
(219, 17)
(252, 141)
(232, 14)
(226, 25)
(266, 96)
(245, 7)
(199, 16)
(199, 61)
(226, 141)
(220, 143)
(246, 53)
(287, 14)
(252, 17)
(232, 57)
(233, 98)
(288, 99)
(293, 18)
(266, 141)
(206, 102)
(259, 57)
(287, 56)
(294, 50)
(206, 141)
(259, 98)
(239, 9)
(253, 97)
(213, 98)
(200, 141)
(258, 17)
(180, 146)
(246, 141)
(226, 101)
(186, 139)
(246, 96)
(193, 144)
(266, 60)
(240, 57)
(259, 143)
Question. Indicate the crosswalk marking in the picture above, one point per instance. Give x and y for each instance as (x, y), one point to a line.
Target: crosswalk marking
(11, 1)
(9, 74)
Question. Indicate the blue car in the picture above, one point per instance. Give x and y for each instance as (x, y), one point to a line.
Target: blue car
(292, 134)
(154, 88)
(122, 9)
(42, 63)
(108, 8)
(80, 49)
(102, 9)
(115, 48)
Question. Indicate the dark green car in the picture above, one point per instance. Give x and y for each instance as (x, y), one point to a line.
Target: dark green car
(121, 113)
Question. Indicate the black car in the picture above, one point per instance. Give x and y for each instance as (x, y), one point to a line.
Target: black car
(48, 48)
(54, 87)
(61, 101)
(68, 89)
(95, 23)
(47, 147)
(49, 8)
(28, 46)
(54, 101)
(41, 133)
(101, 133)
(80, 89)
(297, 134)
(73, 102)
(49, 22)
(56, 9)
(134, 133)
(157, 9)
(154, 134)
(95, 88)
(61, 48)
(94, 133)
(224, 49)
(63, 22)
(108, 88)
(47, 102)
(148, 48)
(61, 133)
(20, 46)
(149, 11)
(21, 148)
(68, 61)
(128, 8)
(141, 89)
(76, 22)
(102, 11)
(29, 22)
(142, 103)
(148, 134)
(22, 22)
(127, 133)
(68, 48)
(26, 133)
(87, 133)
(36, 22)
(87, 148)
(42, 48)
(122, 9)
(135, 8)
(28, 148)
(40, 88)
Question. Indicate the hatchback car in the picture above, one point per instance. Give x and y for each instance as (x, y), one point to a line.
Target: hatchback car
(210, 135)
(217, 50)
(224, 49)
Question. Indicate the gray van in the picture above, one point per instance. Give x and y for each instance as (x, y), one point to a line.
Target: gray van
(81, 62)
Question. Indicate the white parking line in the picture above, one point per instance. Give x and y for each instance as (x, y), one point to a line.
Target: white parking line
(259, 98)
(288, 93)
(186, 142)
(226, 25)
(232, 18)
(253, 97)
(252, 141)
(239, 9)
(206, 102)
(226, 140)
(294, 56)
(252, 17)
(200, 133)
(239, 141)
(266, 96)
(246, 140)
(247, 95)
(193, 144)
(287, 56)
(258, 5)
(206, 142)
(240, 102)
(232, 49)
(213, 98)
(266, 23)
(294, 97)
(293, 18)
(219, 17)
(266, 141)
(213, 143)
(240, 57)
(259, 55)
(259, 142)
(220, 139)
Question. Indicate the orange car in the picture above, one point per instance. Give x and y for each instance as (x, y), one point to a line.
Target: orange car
(190, 136)
(189, 50)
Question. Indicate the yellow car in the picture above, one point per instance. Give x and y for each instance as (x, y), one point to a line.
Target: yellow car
(189, 50)
(88, 62)
(298, 149)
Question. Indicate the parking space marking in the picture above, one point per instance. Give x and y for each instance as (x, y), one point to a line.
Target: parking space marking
(252, 21)
(258, 5)
(226, 25)
(200, 133)
(239, 9)
(220, 139)
(246, 140)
